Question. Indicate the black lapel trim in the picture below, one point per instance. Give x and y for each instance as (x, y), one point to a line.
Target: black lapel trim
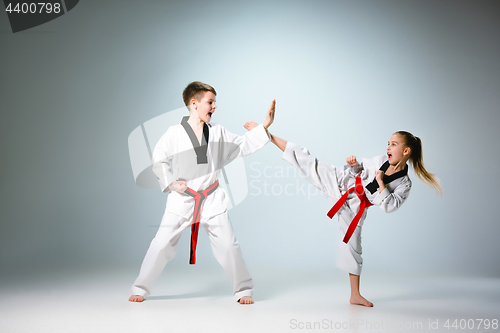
(201, 151)
(373, 186)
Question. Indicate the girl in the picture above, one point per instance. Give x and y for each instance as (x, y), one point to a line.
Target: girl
(382, 181)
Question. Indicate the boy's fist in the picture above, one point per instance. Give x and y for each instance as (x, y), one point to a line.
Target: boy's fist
(179, 186)
(351, 161)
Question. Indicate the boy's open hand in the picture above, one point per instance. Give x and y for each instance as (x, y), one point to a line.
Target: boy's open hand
(179, 186)
(270, 115)
(351, 161)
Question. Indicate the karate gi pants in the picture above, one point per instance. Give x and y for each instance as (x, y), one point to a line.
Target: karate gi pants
(328, 179)
(225, 247)
(349, 256)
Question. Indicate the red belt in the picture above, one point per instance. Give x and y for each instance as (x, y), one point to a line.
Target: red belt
(199, 197)
(358, 188)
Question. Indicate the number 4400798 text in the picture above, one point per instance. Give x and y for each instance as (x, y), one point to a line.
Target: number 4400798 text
(471, 324)
(40, 7)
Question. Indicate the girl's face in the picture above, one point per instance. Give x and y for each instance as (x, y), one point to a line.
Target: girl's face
(397, 151)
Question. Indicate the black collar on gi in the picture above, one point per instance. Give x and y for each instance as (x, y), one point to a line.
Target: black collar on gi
(200, 150)
(373, 186)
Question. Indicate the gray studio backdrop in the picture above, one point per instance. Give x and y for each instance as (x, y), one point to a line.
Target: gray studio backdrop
(345, 74)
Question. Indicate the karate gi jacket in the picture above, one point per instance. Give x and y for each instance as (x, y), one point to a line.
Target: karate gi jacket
(176, 158)
(334, 182)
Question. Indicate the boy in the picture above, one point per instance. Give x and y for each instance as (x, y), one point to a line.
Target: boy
(187, 161)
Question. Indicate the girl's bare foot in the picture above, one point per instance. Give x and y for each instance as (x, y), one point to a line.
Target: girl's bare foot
(136, 298)
(356, 297)
(246, 300)
(360, 300)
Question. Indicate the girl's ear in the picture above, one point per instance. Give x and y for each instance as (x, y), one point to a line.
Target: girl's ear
(407, 151)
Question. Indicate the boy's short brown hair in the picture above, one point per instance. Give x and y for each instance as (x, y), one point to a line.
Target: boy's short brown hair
(195, 90)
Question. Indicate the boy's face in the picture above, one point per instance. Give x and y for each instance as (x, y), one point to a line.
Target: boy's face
(205, 106)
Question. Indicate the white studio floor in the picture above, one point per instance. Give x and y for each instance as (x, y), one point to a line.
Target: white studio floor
(196, 299)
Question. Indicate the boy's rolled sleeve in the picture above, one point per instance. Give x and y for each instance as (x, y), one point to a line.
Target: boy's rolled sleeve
(247, 144)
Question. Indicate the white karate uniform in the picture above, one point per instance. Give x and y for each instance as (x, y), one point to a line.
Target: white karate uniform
(334, 182)
(174, 158)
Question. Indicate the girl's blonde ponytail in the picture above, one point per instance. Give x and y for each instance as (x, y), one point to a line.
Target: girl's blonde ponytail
(417, 161)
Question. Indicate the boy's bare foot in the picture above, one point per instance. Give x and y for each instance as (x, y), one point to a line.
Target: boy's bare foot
(136, 298)
(360, 300)
(246, 300)
(250, 125)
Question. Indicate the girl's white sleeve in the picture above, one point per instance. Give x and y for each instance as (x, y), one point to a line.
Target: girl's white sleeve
(390, 202)
(354, 170)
